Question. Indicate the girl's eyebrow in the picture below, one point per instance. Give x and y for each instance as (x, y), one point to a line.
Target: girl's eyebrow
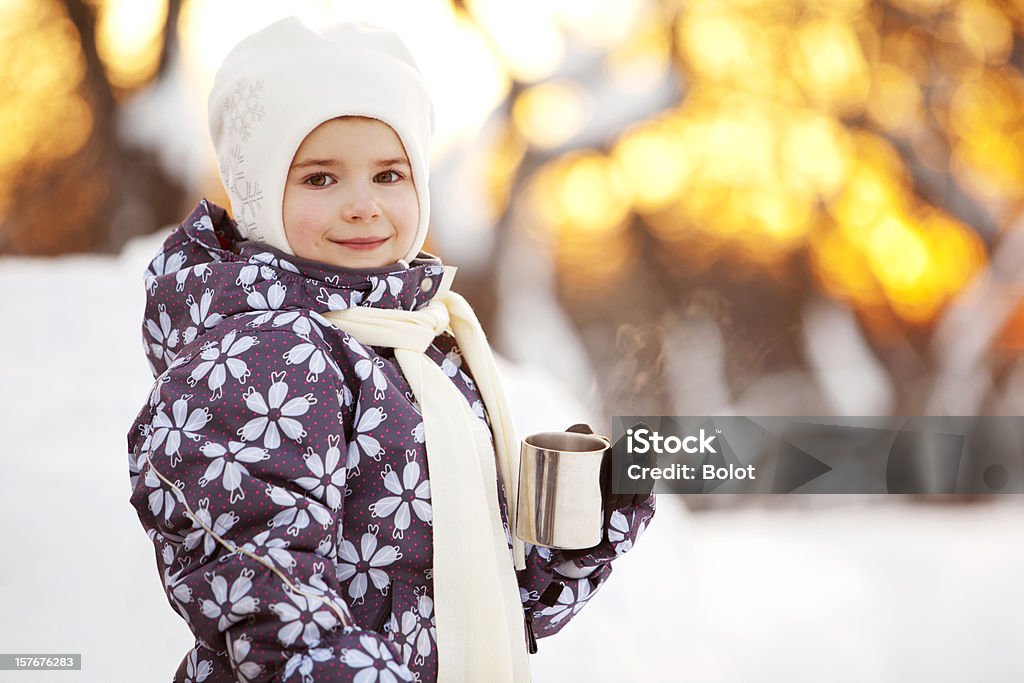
(334, 162)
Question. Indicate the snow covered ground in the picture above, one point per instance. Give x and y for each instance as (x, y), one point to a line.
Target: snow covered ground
(879, 592)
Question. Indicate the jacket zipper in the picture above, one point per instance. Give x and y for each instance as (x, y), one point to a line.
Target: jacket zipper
(531, 639)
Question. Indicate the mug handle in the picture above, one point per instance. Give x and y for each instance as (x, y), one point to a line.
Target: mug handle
(584, 428)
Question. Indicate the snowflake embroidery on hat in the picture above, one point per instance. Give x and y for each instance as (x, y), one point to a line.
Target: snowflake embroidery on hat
(243, 108)
(249, 194)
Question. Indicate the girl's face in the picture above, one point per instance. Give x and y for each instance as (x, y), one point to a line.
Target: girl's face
(349, 199)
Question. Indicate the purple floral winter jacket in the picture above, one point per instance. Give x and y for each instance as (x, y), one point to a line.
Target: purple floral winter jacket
(302, 451)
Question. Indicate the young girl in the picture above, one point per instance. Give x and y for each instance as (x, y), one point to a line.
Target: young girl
(326, 463)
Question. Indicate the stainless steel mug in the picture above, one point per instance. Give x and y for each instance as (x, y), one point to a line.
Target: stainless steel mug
(559, 502)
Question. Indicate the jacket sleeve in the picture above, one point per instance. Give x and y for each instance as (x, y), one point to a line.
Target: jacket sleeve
(554, 590)
(240, 484)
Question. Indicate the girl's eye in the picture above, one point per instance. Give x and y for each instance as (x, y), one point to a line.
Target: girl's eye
(389, 176)
(320, 180)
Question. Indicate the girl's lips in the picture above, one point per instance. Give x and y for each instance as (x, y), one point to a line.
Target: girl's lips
(362, 243)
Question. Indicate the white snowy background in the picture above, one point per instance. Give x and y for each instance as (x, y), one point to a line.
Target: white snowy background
(868, 590)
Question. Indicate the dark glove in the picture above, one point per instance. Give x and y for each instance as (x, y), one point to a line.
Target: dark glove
(612, 501)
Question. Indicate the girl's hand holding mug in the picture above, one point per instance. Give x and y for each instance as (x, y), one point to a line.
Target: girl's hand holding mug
(565, 490)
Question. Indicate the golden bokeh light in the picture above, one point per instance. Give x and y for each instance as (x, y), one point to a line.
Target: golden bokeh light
(877, 185)
(816, 152)
(842, 269)
(894, 102)
(70, 133)
(922, 7)
(550, 113)
(641, 61)
(42, 114)
(529, 46)
(503, 163)
(986, 113)
(987, 165)
(829, 65)
(957, 251)
(656, 163)
(735, 139)
(129, 39)
(869, 195)
(907, 50)
(761, 158)
(898, 255)
(461, 110)
(592, 265)
(674, 224)
(984, 30)
(581, 193)
(722, 45)
(989, 98)
(780, 214)
(919, 260)
(596, 24)
(848, 9)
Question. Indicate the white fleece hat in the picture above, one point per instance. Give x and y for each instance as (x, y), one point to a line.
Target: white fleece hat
(280, 83)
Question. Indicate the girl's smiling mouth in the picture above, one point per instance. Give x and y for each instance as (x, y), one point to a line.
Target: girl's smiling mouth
(362, 243)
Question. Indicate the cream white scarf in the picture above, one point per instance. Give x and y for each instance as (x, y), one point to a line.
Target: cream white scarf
(478, 614)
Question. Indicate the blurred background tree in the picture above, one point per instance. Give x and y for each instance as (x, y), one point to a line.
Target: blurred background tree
(68, 181)
(758, 206)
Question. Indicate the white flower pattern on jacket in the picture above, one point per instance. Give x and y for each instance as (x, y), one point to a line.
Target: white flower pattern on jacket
(230, 603)
(275, 414)
(366, 563)
(199, 311)
(168, 431)
(202, 522)
(414, 632)
(197, 671)
(409, 495)
(228, 465)
(302, 616)
(328, 480)
(221, 359)
(362, 442)
(298, 511)
(163, 337)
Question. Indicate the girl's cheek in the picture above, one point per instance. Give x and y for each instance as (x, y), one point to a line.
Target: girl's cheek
(412, 211)
(302, 228)
(307, 214)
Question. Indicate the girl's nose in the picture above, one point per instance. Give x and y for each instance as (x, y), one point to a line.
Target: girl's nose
(360, 207)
